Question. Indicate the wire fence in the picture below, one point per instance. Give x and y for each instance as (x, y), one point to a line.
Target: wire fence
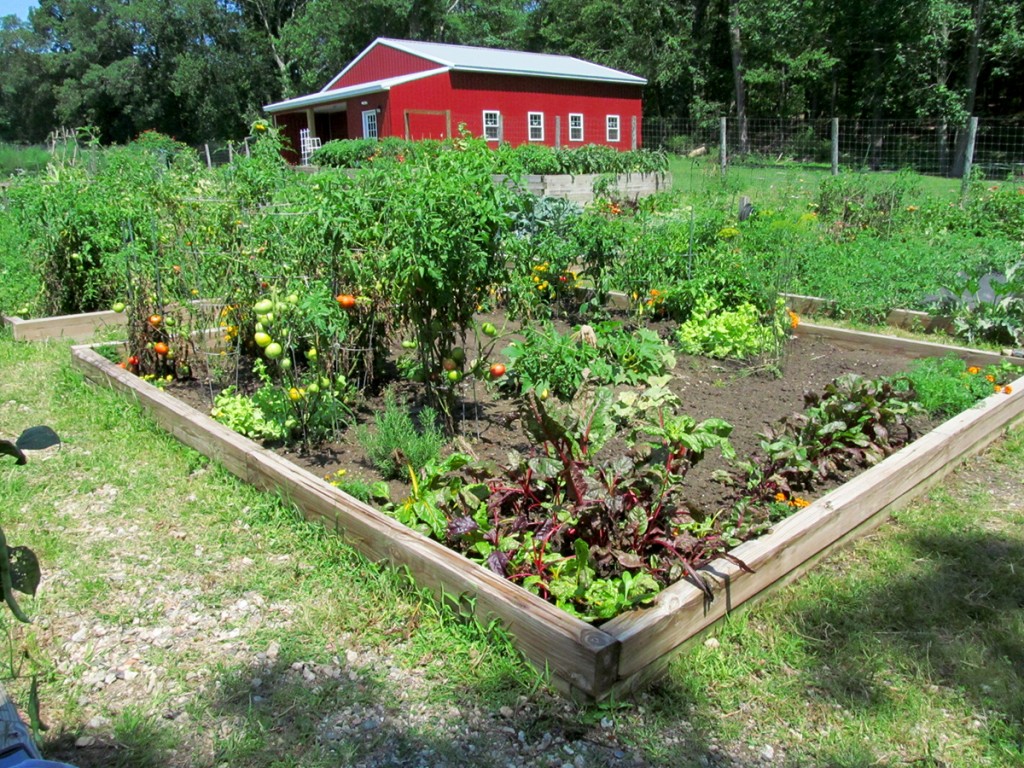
(932, 147)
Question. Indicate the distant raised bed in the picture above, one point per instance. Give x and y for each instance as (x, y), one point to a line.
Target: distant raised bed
(583, 660)
(80, 327)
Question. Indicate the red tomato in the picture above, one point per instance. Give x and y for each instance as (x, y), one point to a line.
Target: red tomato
(497, 371)
(155, 320)
(346, 300)
(161, 348)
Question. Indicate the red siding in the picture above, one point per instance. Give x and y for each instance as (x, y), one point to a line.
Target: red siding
(515, 97)
(290, 123)
(356, 107)
(382, 62)
(467, 95)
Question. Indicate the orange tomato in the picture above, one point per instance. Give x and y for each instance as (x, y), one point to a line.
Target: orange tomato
(346, 300)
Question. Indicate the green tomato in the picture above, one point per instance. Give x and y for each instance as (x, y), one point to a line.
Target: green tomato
(292, 298)
(285, 364)
(118, 307)
(489, 329)
(259, 328)
(311, 354)
(263, 307)
(273, 350)
(454, 376)
(312, 387)
(459, 355)
(408, 344)
(263, 340)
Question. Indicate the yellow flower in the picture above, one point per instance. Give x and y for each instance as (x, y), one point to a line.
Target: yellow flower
(974, 370)
(794, 318)
(799, 503)
(780, 496)
(990, 379)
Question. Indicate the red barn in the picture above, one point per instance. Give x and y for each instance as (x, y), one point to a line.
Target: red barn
(418, 90)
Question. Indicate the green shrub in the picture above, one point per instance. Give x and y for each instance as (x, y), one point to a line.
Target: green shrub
(946, 386)
(395, 443)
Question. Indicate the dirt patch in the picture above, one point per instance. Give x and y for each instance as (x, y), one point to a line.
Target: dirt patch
(749, 397)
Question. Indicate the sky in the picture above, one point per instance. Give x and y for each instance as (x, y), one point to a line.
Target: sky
(17, 7)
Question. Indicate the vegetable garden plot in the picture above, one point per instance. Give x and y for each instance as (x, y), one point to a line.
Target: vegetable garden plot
(583, 660)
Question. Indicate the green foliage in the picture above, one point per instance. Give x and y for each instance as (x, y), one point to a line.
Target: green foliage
(506, 159)
(854, 422)
(988, 308)
(607, 353)
(946, 386)
(742, 333)
(397, 443)
(857, 202)
(264, 415)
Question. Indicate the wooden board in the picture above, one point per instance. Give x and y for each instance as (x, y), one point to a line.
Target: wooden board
(909, 347)
(74, 327)
(582, 659)
(585, 661)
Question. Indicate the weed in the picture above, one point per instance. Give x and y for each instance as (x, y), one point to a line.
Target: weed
(397, 442)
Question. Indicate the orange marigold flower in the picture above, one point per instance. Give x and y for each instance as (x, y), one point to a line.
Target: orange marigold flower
(997, 388)
(794, 318)
(780, 496)
(974, 370)
(799, 503)
(990, 379)
(1007, 390)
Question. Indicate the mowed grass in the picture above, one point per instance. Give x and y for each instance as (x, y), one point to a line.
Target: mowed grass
(906, 648)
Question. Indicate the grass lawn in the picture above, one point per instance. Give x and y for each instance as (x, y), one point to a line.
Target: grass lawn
(187, 620)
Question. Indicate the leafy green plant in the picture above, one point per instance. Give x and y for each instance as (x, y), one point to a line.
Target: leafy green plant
(397, 443)
(946, 386)
(989, 307)
(742, 333)
(854, 422)
(264, 415)
(605, 353)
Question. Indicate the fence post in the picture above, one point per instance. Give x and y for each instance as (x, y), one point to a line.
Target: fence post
(634, 140)
(721, 144)
(209, 160)
(972, 132)
(558, 131)
(835, 146)
(231, 154)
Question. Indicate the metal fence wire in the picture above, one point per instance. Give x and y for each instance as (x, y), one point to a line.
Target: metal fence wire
(934, 147)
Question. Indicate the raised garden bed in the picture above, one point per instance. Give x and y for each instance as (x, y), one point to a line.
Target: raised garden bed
(584, 660)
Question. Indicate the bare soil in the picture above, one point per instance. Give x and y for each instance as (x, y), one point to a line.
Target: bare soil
(748, 396)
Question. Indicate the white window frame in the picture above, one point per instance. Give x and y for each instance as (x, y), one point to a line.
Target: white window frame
(530, 127)
(612, 129)
(576, 131)
(371, 129)
(492, 131)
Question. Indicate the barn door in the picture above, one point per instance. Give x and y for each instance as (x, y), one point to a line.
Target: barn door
(427, 124)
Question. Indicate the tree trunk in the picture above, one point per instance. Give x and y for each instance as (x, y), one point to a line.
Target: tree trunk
(973, 72)
(735, 44)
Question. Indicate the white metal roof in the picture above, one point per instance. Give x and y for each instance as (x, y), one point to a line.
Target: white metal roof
(468, 58)
(325, 96)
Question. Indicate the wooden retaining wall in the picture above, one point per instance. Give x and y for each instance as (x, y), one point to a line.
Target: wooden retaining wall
(80, 327)
(585, 661)
(580, 188)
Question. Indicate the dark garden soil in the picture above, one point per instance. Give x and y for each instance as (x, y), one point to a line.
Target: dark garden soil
(748, 397)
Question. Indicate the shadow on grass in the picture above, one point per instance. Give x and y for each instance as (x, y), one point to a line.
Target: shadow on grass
(951, 613)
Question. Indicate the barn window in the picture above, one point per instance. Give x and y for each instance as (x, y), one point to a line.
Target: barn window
(370, 124)
(575, 126)
(492, 125)
(535, 121)
(612, 128)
